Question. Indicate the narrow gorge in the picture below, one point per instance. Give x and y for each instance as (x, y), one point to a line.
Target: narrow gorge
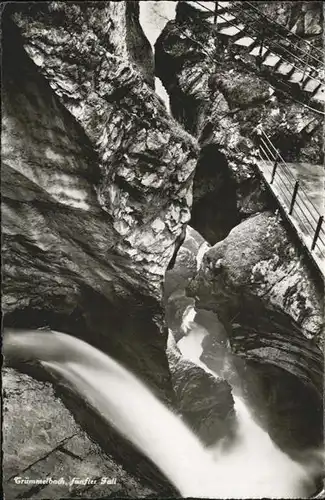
(162, 324)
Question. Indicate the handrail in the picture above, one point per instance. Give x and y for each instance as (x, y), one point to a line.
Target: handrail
(287, 167)
(307, 215)
(257, 33)
(289, 33)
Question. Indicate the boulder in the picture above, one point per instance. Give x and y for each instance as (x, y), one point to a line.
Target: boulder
(273, 313)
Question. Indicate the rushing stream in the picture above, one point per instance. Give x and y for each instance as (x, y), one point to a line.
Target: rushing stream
(252, 468)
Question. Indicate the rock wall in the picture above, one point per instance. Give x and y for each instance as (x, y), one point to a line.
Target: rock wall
(272, 309)
(252, 281)
(96, 191)
(221, 97)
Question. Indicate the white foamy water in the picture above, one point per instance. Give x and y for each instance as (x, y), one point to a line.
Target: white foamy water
(253, 468)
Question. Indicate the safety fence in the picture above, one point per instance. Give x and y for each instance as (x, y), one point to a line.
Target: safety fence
(293, 195)
(302, 63)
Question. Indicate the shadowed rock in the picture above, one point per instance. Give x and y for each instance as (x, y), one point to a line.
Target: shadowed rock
(96, 190)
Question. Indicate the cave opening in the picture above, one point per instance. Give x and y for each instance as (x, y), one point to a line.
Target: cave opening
(214, 211)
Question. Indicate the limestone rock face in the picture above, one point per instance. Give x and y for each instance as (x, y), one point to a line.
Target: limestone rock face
(113, 106)
(219, 95)
(96, 184)
(41, 439)
(257, 261)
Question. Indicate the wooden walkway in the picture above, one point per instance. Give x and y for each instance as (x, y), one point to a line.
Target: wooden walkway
(300, 197)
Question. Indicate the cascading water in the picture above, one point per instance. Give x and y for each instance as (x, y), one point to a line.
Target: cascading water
(253, 465)
(133, 410)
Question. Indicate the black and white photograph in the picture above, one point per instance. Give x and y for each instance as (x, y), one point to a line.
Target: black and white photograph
(163, 249)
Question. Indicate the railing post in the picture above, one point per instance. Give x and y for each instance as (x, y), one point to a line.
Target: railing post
(317, 231)
(294, 195)
(215, 13)
(274, 170)
(308, 56)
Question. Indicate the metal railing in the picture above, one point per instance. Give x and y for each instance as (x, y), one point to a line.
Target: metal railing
(293, 196)
(296, 61)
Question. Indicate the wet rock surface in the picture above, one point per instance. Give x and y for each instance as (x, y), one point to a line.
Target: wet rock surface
(41, 440)
(96, 191)
(205, 402)
(273, 314)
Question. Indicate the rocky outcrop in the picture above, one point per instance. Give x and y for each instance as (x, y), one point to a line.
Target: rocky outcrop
(96, 191)
(273, 313)
(257, 261)
(219, 95)
(42, 440)
(204, 401)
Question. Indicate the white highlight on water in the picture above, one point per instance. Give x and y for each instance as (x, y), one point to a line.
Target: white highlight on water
(253, 468)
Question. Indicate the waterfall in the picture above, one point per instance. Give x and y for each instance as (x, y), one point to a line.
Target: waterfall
(254, 465)
(123, 401)
(129, 406)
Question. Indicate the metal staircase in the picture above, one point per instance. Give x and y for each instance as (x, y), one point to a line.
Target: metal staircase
(298, 69)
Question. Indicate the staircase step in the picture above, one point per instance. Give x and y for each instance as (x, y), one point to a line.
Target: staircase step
(225, 18)
(320, 94)
(271, 60)
(245, 41)
(231, 30)
(296, 76)
(311, 85)
(285, 68)
(258, 51)
(209, 5)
